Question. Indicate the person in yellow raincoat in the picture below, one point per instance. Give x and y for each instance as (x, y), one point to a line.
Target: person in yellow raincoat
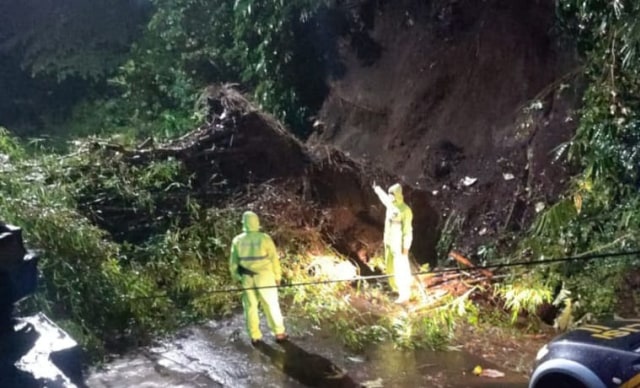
(398, 236)
(254, 263)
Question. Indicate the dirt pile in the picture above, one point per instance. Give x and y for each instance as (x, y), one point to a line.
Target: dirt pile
(245, 159)
(456, 89)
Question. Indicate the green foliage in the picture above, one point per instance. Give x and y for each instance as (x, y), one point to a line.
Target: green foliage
(365, 315)
(607, 138)
(189, 44)
(141, 289)
(606, 30)
(554, 219)
(600, 212)
(9, 147)
(155, 84)
(192, 261)
(73, 38)
(602, 299)
(525, 295)
(449, 231)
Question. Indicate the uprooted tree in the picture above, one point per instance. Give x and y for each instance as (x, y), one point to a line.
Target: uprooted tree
(242, 157)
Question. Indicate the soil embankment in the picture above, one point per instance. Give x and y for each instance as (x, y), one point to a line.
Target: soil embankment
(454, 89)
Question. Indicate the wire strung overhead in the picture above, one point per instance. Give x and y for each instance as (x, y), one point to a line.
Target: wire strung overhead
(588, 257)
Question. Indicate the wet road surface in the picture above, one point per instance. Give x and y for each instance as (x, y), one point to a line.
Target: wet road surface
(218, 354)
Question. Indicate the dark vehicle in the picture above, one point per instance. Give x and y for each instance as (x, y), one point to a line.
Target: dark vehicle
(34, 351)
(591, 356)
(18, 272)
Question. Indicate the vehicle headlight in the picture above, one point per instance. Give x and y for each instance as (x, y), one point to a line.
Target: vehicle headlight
(542, 352)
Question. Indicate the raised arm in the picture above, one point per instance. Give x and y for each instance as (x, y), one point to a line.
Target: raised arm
(384, 197)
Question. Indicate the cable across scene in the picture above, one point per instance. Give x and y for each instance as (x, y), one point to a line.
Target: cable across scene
(433, 271)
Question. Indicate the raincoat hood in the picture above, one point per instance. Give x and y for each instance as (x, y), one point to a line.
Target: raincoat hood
(250, 222)
(396, 192)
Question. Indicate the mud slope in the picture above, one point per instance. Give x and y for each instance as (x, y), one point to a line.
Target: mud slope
(454, 89)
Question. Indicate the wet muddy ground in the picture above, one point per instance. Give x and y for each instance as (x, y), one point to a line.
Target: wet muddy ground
(218, 354)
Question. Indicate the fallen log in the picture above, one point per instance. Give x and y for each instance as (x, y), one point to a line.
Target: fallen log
(464, 261)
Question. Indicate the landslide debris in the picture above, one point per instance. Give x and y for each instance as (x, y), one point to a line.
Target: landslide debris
(459, 91)
(243, 158)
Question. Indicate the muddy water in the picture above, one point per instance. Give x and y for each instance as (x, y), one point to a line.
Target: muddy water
(218, 354)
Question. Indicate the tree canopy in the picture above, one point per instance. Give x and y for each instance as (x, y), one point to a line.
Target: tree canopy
(70, 38)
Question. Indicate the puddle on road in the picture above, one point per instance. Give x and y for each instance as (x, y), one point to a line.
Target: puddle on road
(218, 354)
(423, 368)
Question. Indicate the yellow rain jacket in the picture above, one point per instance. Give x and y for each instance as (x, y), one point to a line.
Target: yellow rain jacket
(254, 262)
(398, 236)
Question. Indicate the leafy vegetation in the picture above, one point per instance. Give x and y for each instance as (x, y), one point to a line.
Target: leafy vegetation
(142, 288)
(522, 296)
(600, 212)
(189, 44)
(271, 49)
(56, 54)
(72, 38)
(364, 314)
